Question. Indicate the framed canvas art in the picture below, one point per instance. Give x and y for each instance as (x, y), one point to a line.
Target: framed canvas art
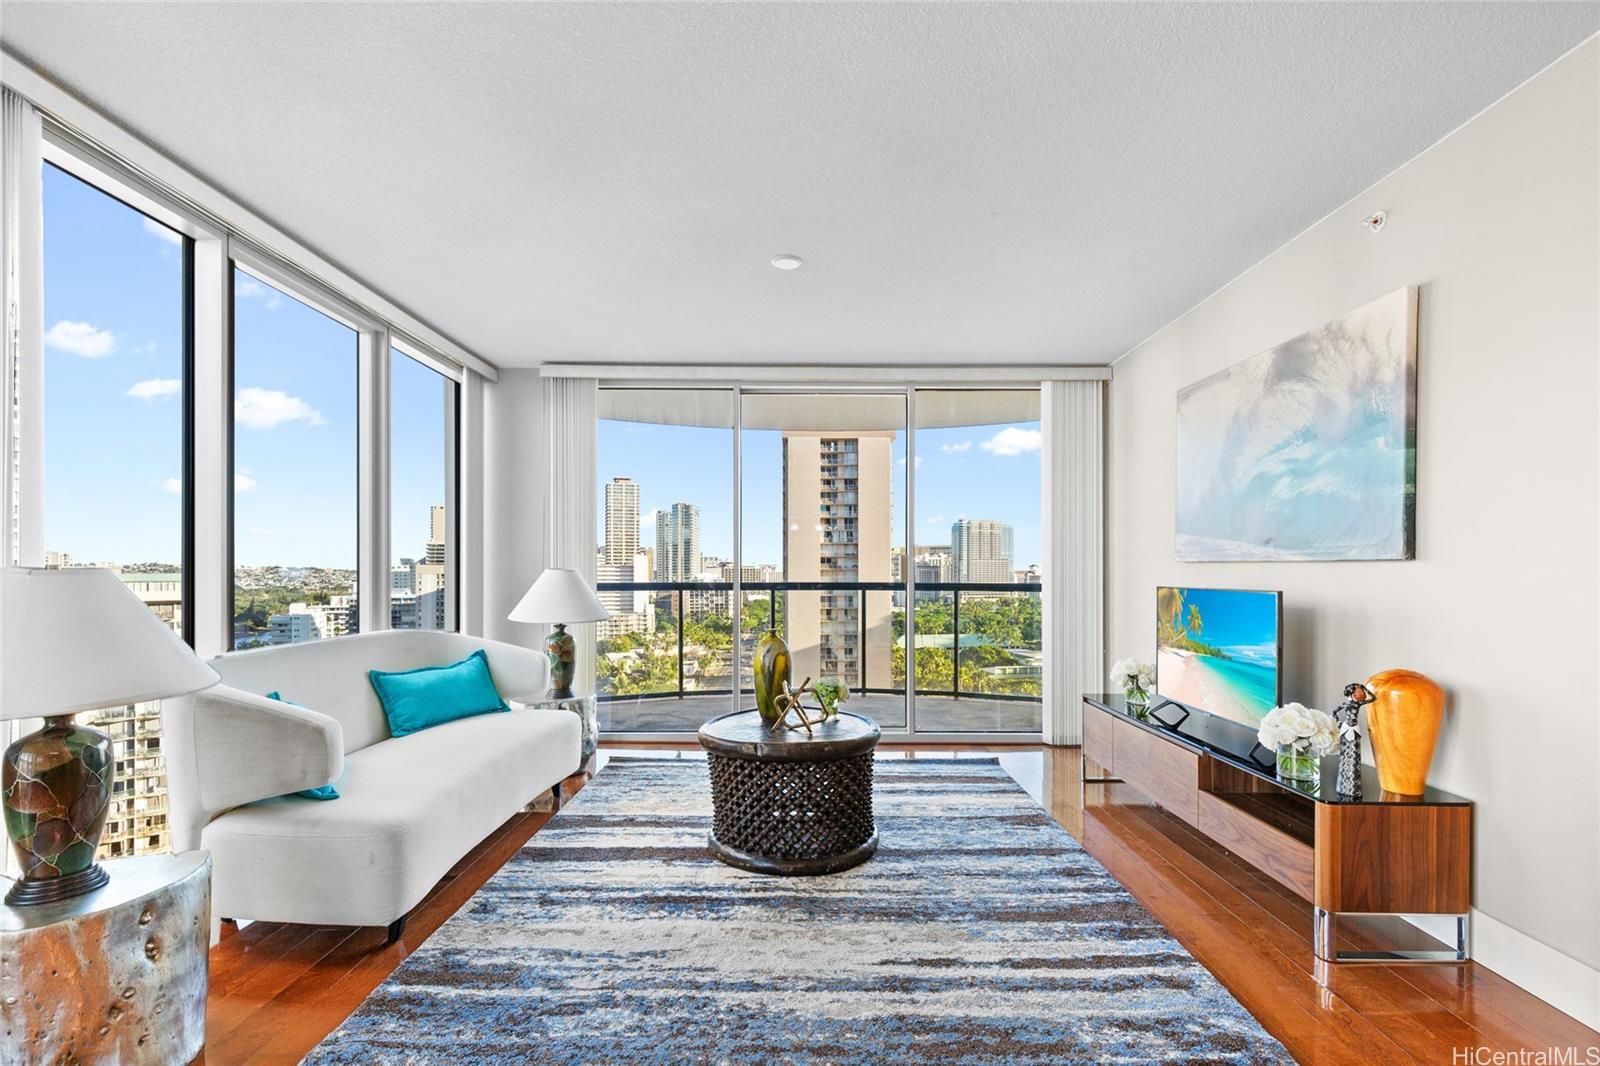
(1308, 450)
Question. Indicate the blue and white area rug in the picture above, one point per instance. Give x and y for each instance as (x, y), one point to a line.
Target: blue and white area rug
(979, 933)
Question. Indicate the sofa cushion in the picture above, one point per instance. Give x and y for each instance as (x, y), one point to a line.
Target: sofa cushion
(414, 700)
(410, 808)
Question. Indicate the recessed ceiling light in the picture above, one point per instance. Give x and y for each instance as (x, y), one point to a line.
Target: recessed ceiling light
(786, 262)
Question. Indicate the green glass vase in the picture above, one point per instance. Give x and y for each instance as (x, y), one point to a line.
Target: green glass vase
(772, 673)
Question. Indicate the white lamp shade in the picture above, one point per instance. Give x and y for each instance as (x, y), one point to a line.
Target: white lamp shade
(560, 596)
(79, 639)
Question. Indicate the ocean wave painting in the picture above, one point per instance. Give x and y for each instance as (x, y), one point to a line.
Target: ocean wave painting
(1306, 451)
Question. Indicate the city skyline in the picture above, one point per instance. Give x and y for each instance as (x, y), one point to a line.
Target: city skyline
(979, 472)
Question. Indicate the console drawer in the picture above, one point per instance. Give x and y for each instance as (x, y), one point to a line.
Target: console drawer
(1166, 772)
(1098, 747)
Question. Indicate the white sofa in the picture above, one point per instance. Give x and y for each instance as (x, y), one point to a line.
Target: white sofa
(409, 807)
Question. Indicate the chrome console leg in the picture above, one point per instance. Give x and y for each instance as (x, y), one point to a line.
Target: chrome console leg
(1325, 929)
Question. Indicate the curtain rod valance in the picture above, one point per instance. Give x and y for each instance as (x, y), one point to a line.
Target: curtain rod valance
(967, 376)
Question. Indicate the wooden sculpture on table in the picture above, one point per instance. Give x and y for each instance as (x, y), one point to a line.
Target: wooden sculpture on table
(1348, 716)
(1407, 709)
(790, 701)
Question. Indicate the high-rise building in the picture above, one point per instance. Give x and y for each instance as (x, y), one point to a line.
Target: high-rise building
(631, 611)
(622, 521)
(297, 625)
(981, 551)
(136, 818)
(678, 543)
(433, 553)
(836, 501)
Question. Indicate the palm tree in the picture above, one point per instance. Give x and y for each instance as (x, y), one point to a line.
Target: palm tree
(1194, 625)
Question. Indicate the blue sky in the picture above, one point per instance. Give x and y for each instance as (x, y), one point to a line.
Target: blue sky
(966, 472)
(113, 298)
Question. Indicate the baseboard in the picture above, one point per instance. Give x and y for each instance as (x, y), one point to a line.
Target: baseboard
(1568, 985)
(1563, 982)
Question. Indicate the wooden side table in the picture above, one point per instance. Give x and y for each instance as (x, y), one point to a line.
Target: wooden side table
(117, 975)
(791, 802)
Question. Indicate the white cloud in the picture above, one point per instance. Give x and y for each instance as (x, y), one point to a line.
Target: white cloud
(1013, 441)
(156, 388)
(964, 446)
(243, 483)
(251, 289)
(80, 338)
(266, 408)
(172, 486)
(157, 230)
(935, 520)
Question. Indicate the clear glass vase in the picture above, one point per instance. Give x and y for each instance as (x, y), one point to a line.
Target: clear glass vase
(1297, 763)
(1136, 696)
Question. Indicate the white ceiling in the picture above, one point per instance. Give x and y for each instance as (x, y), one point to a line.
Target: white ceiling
(967, 183)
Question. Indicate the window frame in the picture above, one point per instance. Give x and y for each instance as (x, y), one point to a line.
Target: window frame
(212, 249)
(452, 490)
(803, 381)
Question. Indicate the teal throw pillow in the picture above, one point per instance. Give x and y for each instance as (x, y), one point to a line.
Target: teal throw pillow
(321, 792)
(414, 700)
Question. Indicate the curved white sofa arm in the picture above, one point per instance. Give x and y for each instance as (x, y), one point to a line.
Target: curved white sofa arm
(519, 673)
(226, 747)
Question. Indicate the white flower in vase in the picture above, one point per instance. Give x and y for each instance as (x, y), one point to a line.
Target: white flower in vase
(1300, 736)
(1134, 677)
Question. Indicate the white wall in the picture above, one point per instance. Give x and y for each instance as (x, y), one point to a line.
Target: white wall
(1498, 225)
(513, 501)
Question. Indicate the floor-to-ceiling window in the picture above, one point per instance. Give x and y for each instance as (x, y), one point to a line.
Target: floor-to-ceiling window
(822, 514)
(422, 487)
(115, 491)
(831, 553)
(295, 465)
(663, 564)
(978, 615)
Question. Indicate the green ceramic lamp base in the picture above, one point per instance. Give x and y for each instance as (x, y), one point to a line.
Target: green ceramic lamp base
(57, 787)
(563, 653)
(26, 892)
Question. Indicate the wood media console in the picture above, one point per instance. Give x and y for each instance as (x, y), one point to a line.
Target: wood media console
(1381, 854)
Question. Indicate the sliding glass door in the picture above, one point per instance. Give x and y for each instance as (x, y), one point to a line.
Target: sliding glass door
(828, 545)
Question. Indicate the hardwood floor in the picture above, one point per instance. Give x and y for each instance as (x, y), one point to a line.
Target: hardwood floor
(276, 990)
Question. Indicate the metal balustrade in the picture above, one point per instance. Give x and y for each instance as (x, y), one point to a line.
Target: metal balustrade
(849, 598)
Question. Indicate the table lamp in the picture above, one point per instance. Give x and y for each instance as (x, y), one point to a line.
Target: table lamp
(560, 596)
(73, 640)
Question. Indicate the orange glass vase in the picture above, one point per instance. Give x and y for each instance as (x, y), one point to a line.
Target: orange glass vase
(1404, 719)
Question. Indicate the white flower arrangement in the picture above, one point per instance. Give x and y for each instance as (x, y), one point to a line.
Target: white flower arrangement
(1133, 674)
(1303, 729)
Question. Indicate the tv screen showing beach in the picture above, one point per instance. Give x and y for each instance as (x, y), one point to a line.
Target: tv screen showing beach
(1217, 650)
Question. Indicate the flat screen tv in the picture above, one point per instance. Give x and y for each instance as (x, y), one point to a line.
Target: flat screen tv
(1219, 650)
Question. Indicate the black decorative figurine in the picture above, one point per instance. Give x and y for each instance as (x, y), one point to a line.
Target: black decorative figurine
(1348, 717)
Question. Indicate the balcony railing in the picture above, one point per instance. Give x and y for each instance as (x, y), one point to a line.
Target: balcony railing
(840, 602)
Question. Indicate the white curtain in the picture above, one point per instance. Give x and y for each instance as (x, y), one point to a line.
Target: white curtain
(569, 425)
(1073, 568)
(21, 286)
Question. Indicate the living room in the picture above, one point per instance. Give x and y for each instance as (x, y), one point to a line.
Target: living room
(840, 533)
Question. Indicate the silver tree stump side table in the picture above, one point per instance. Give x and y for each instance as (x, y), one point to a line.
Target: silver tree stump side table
(118, 975)
(582, 706)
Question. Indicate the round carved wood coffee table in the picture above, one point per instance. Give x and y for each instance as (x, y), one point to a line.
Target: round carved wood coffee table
(788, 802)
